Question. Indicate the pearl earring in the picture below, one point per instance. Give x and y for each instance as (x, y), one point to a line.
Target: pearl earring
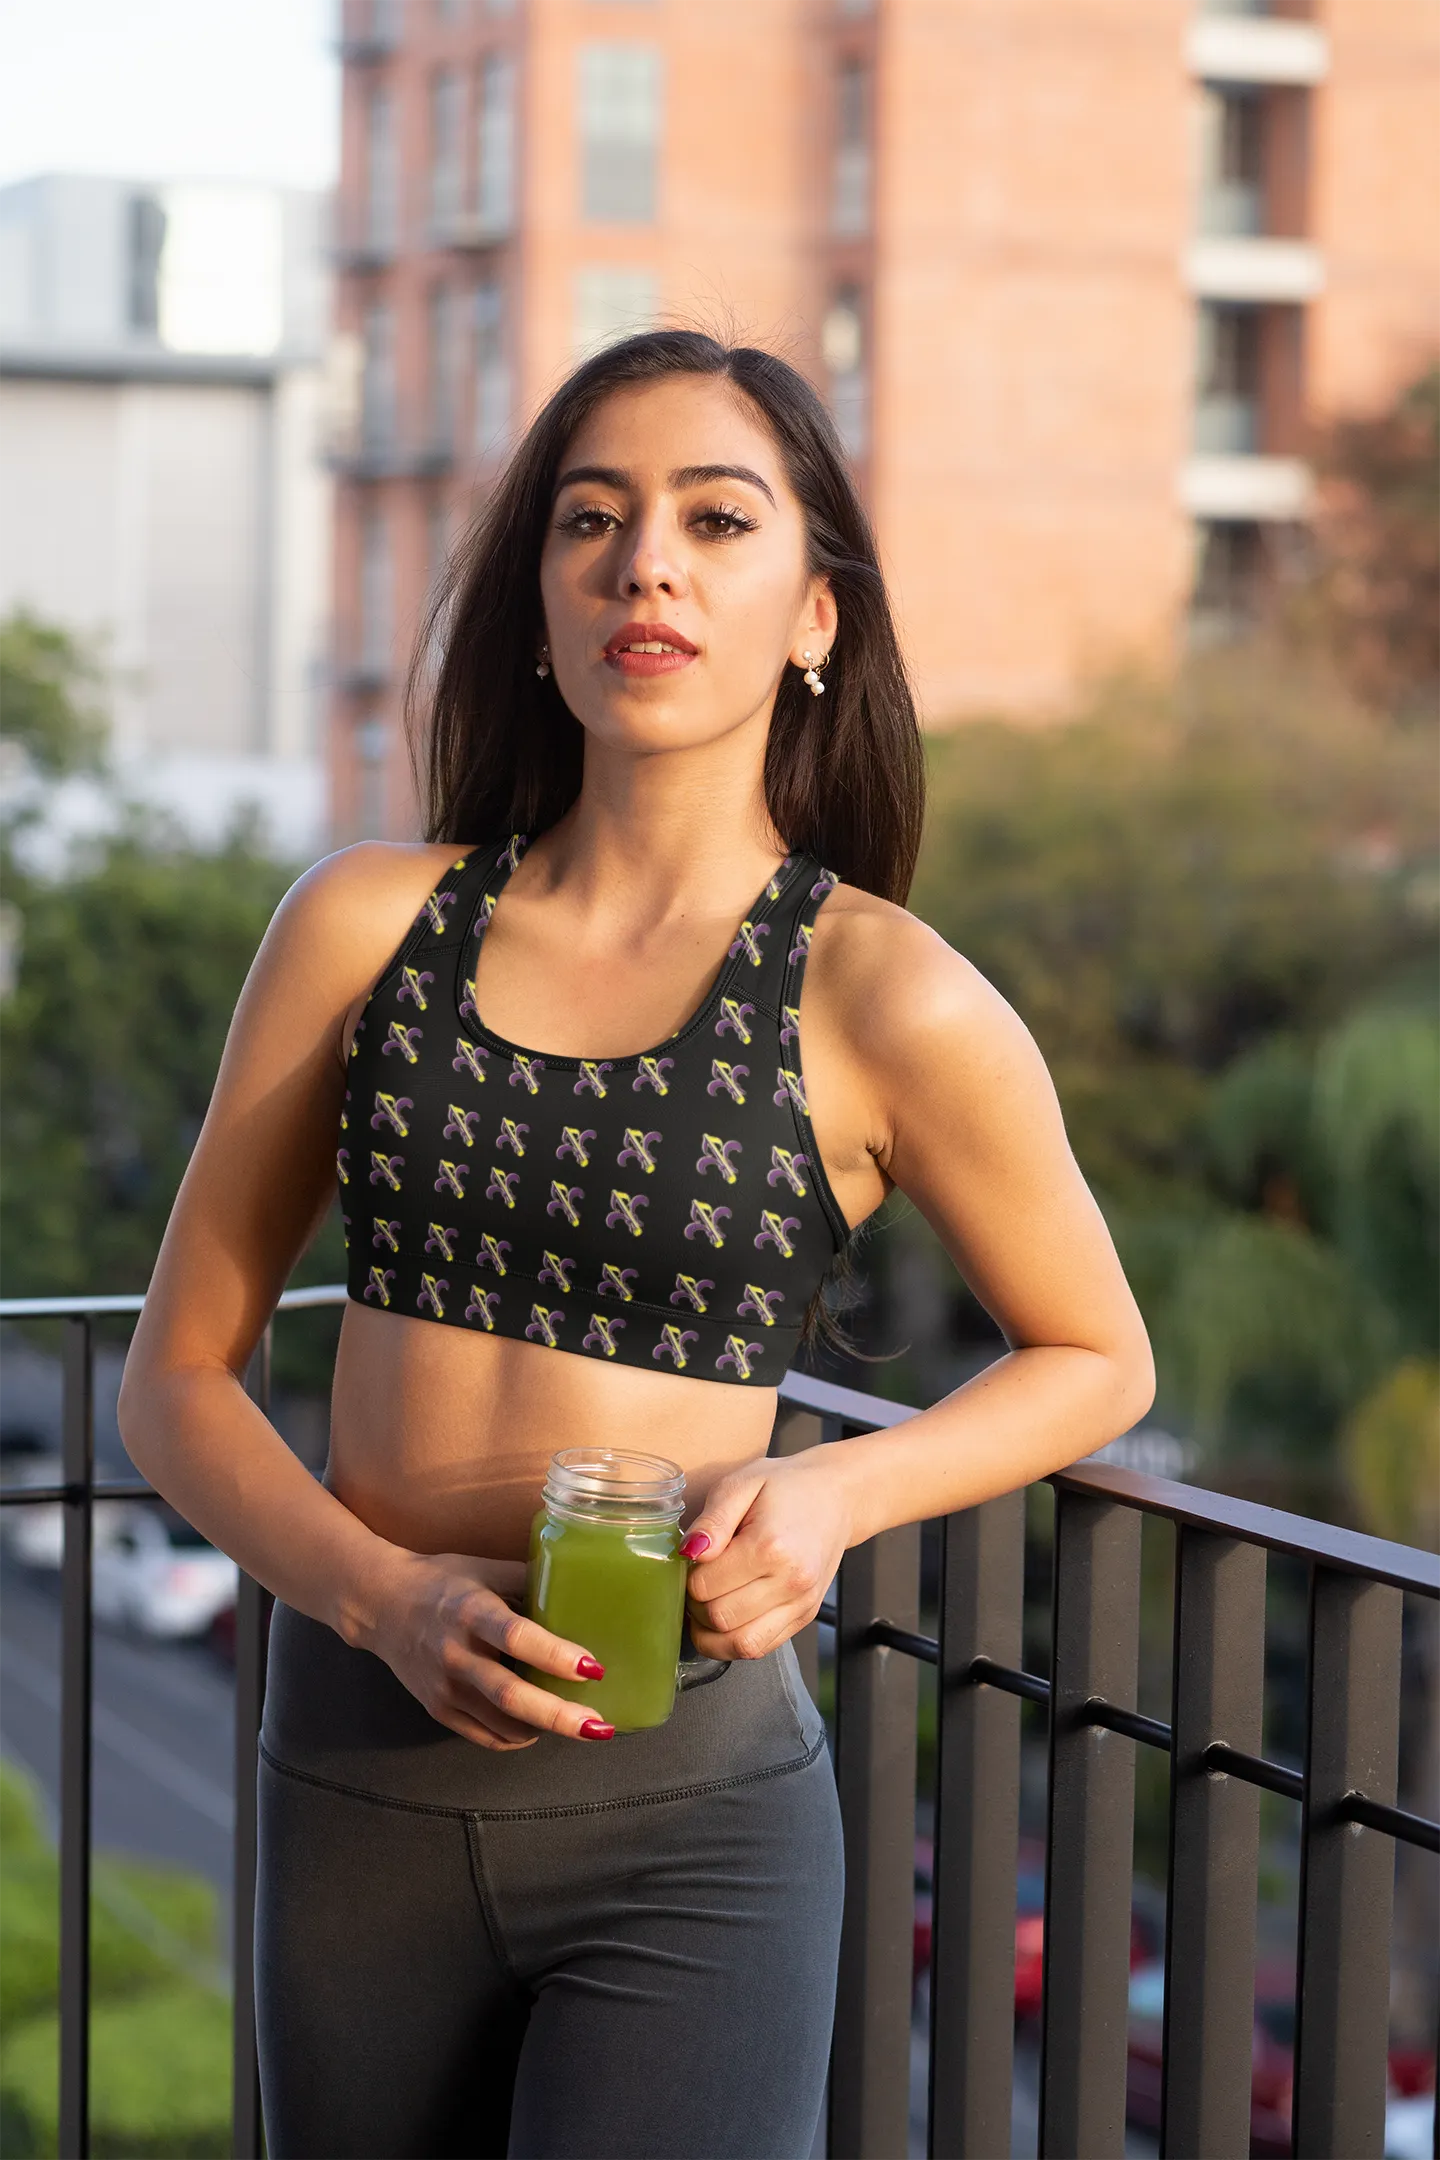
(542, 665)
(812, 673)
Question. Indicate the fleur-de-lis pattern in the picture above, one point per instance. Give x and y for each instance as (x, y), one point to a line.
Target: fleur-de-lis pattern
(663, 1210)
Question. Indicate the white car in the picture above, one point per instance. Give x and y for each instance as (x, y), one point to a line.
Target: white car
(1410, 2127)
(153, 1572)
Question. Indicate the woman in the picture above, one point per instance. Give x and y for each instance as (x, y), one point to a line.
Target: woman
(672, 773)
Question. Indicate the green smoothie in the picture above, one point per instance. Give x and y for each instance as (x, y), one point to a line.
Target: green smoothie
(616, 1588)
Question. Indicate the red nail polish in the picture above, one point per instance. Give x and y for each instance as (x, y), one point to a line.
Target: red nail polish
(695, 1546)
(595, 1728)
(589, 1668)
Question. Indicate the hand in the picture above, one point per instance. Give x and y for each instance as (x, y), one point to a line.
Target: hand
(437, 1632)
(773, 1533)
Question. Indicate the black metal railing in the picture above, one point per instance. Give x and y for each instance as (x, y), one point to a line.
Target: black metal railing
(1346, 1789)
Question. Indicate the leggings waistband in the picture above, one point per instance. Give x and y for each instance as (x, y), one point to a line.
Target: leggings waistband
(339, 1716)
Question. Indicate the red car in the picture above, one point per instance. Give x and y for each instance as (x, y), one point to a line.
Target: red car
(1272, 2057)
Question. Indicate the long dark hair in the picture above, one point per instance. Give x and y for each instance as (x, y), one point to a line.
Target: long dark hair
(495, 749)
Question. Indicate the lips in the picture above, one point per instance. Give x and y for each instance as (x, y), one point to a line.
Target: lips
(643, 648)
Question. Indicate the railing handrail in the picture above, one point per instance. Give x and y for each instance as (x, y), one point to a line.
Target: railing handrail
(1356, 1552)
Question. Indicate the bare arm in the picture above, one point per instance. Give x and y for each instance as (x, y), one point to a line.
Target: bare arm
(968, 1126)
(252, 1198)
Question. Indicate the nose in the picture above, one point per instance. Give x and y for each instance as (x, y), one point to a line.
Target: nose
(651, 563)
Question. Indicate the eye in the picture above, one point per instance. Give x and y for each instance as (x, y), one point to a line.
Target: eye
(587, 521)
(724, 521)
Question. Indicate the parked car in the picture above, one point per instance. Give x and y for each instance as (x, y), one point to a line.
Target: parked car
(1410, 2125)
(155, 1573)
(1410, 2108)
(33, 1534)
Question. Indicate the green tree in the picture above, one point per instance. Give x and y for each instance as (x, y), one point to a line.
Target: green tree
(1214, 902)
(50, 696)
(129, 968)
(1374, 596)
(1172, 878)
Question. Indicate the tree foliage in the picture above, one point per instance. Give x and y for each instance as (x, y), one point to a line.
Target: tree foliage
(1214, 902)
(50, 685)
(110, 1044)
(1377, 586)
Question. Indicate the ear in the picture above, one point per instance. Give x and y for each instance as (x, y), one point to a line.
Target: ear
(819, 621)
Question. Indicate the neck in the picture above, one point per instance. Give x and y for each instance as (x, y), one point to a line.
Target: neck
(658, 842)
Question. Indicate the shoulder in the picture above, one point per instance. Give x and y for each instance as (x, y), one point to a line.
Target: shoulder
(908, 1007)
(343, 918)
(367, 890)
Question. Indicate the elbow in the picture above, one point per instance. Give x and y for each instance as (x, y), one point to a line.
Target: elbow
(140, 1412)
(1136, 1381)
(130, 1413)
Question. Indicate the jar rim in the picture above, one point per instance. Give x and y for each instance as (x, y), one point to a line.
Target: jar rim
(601, 1473)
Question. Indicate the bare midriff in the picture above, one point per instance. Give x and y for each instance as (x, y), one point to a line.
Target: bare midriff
(440, 1440)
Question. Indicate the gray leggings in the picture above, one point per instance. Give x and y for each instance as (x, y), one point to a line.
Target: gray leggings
(625, 1948)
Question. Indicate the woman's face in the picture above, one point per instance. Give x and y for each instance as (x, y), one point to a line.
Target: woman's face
(673, 525)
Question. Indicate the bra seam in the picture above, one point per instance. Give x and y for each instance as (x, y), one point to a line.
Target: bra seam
(621, 1307)
(830, 1206)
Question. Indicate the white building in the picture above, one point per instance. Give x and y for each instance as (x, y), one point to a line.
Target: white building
(160, 419)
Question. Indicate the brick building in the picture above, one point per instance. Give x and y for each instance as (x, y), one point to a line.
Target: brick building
(1075, 276)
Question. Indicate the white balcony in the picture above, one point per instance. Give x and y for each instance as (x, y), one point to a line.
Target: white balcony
(1267, 490)
(1241, 269)
(1256, 49)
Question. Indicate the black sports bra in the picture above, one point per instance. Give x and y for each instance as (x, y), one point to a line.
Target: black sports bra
(667, 1210)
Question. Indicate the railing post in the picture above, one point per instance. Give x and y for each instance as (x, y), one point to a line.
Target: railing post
(76, 1690)
(252, 1623)
(977, 1812)
(1218, 1694)
(1347, 1873)
(876, 1698)
(1089, 1853)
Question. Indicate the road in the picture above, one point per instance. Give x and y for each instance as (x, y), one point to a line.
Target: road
(163, 1731)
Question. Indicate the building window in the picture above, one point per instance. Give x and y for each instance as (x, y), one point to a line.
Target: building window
(444, 335)
(1229, 569)
(850, 210)
(372, 748)
(611, 303)
(382, 172)
(146, 241)
(492, 369)
(377, 379)
(1227, 382)
(495, 147)
(619, 133)
(377, 594)
(447, 151)
(842, 346)
(1232, 176)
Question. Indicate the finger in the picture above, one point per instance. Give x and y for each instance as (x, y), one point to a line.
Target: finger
(519, 1702)
(736, 1608)
(754, 1639)
(486, 1736)
(726, 1506)
(530, 1644)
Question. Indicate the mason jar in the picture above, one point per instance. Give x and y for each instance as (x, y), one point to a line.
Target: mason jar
(606, 1572)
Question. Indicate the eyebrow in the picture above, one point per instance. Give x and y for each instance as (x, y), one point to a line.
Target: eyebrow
(684, 476)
